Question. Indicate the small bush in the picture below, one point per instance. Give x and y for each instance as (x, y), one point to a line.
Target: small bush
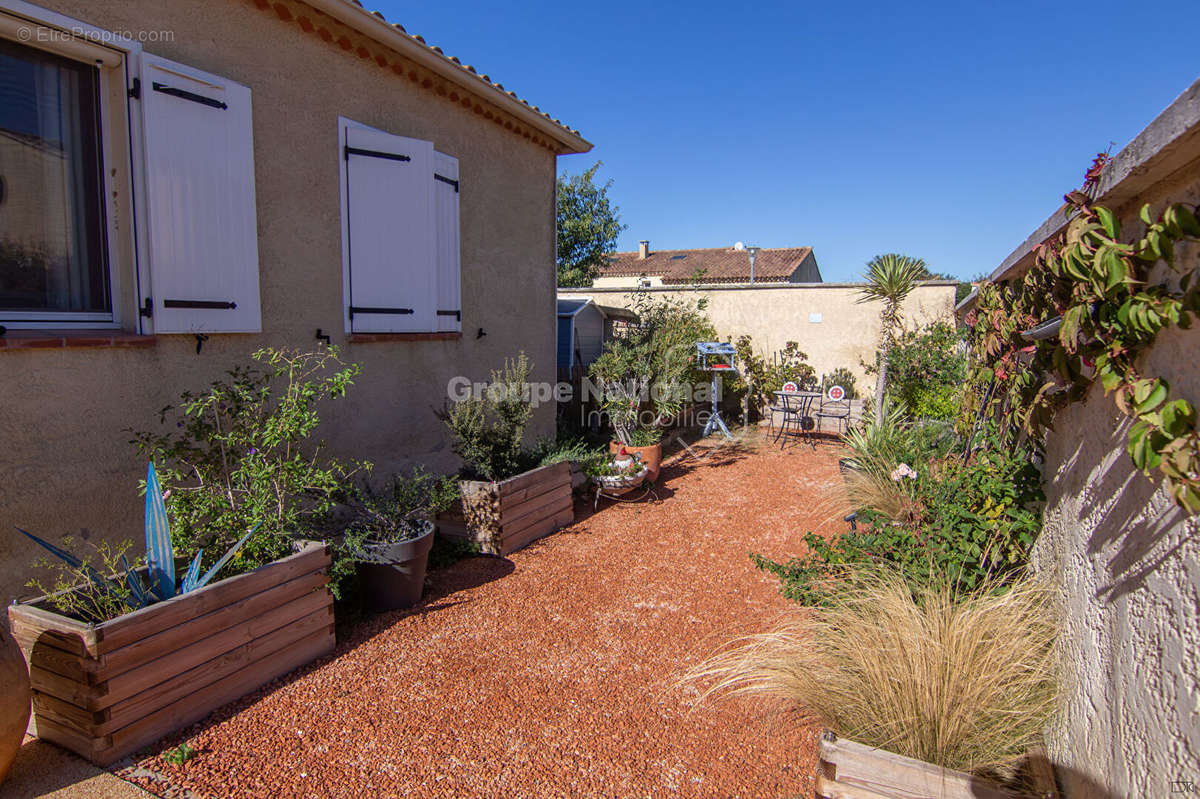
(71, 590)
(965, 682)
(927, 368)
(488, 429)
(843, 377)
(925, 512)
(240, 454)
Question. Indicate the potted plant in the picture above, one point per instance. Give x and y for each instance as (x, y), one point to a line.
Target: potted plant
(391, 535)
(621, 474)
(122, 654)
(648, 374)
(511, 495)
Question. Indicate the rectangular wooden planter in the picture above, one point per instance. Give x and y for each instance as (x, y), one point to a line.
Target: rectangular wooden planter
(502, 517)
(850, 770)
(106, 690)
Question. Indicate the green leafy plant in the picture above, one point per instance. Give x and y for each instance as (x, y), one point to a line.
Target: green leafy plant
(180, 754)
(841, 376)
(488, 428)
(239, 455)
(372, 518)
(932, 516)
(927, 368)
(760, 376)
(79, 587)
(890, 279)
(647, 374)
(1111, 306)
(90, 593)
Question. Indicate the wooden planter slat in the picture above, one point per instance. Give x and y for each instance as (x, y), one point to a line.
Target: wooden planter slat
(511, 514)
(172, 664)
(505, 516)
(107, 690)
(172, 639)
(540, 530)
(126, 712)
(850, 770)
(131, 627)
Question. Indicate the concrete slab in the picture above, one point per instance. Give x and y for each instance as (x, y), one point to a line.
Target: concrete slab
(44, 771)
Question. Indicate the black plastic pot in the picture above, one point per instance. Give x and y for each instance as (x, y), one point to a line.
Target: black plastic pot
(396, 576)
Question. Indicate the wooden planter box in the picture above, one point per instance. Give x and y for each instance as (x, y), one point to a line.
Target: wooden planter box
(849, 770)
(505, 516)
(106, 690)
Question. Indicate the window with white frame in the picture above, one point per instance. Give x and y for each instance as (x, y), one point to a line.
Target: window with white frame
(54, 259)
(84, 128)
(400, 234)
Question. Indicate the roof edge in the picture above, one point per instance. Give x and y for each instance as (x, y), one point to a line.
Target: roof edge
(383, 32)
(1152, 155)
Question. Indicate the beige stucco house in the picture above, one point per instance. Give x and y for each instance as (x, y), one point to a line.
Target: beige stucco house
(212, 178)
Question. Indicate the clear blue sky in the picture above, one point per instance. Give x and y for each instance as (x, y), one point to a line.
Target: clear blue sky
(943, 130)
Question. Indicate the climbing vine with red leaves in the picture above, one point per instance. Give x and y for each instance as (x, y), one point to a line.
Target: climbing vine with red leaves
(1109, 298)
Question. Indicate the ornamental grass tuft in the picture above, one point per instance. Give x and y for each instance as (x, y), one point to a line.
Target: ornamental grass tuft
(967, 683)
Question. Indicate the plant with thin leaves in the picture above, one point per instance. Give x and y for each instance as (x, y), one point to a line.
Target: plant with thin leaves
(966, 682)
(889, 279)
(103, 597)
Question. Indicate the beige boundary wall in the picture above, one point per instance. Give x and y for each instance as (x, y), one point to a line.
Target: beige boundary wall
(65, 463)
(825, 319)
(1126, 559)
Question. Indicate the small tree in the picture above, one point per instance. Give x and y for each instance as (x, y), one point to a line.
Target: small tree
(588, 225)
(890, 278)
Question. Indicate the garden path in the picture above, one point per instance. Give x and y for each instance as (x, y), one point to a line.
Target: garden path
(552, 673)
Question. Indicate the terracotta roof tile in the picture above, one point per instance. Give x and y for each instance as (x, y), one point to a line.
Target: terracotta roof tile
(719, 265)
(467, 70)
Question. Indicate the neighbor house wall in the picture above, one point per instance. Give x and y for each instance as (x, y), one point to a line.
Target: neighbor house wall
(68, 467)
(1126, 560)
(826, 319)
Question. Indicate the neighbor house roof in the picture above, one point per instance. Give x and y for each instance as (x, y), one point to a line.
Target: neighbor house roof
(718, 265)
(427, 66)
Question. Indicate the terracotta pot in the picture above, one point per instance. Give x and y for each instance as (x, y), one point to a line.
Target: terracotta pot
(397, 578)
(651, 456)
(14, 701)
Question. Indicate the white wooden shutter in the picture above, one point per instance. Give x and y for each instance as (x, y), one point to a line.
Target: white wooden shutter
(202, 225)
(391, 235)
(445, 191)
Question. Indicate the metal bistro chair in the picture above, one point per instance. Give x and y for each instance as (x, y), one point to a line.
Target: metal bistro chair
(796, 407)
(838, 410)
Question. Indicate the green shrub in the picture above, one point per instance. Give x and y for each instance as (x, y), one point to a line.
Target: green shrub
(961, 521)
(646, 373)
(240, 454)
(927, 368)
(843, 377)
(488, 429)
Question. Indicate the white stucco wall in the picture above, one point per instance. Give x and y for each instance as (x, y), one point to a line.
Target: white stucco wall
(1127, 561)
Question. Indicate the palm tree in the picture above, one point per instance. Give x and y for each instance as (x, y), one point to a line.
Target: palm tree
(889, 278)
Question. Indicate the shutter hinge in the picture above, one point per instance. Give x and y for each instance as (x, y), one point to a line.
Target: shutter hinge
(349, 151)
(456, 314)
(135, 91)
(445, 179)
(147, 309)
(355, 309)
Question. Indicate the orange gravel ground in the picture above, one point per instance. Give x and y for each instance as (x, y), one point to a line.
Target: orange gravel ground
(552, 673)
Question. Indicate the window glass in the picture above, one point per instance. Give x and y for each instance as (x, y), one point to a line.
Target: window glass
(52, 247)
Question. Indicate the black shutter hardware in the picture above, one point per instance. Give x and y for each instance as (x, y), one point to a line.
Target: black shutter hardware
(183, 94)
(456, 314)
(211, 305)
(349, 151)
(445, 179)
(361, 310)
